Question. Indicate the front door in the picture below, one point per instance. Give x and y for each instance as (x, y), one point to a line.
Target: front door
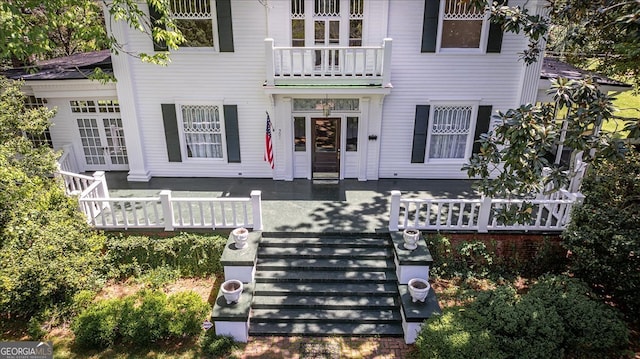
(326, 148)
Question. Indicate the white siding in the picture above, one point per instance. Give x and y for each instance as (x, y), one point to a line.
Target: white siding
(427, 78)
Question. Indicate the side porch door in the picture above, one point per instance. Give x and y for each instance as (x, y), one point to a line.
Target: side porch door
(103, 145)
(325, 161)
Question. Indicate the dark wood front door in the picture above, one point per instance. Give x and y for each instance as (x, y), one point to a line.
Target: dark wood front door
(326, 147)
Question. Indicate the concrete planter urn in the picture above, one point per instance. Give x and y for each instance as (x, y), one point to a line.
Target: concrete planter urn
(240, 235)
(418, 288)
(232, 289)
(410, 236)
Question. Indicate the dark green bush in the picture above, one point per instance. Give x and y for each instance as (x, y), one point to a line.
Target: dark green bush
(216, 346)
(97, 326)
(592, 328)
(190, 254)
(140, 319)
(604, 234)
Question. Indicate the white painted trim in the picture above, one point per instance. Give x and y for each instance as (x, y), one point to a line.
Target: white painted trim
(239, 331)
(71, 88)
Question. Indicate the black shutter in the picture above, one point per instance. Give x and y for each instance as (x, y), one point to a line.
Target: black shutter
(494, 42)
(482, 125)
(171, 132)
(420, 129)
(154, 17)
(430, 25)
(225, 27)
(232, 133)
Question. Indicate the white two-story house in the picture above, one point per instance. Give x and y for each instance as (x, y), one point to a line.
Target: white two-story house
(361, 89)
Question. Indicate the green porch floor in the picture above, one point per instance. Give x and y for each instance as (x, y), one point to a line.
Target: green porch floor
(301, 205)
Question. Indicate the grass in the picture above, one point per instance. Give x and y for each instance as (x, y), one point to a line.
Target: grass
(628, 105)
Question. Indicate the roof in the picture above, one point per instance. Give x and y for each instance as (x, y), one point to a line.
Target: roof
(77, 66)
(553, 68)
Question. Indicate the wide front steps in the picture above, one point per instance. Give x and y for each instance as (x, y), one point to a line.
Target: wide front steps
(326, 284)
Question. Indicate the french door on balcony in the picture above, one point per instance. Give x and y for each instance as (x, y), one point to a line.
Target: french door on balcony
(103, 145)
(326, 148)
(327, 34)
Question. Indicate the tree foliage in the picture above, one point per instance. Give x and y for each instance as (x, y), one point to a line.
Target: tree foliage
(47, 250)
(33, 29)
(607, 31)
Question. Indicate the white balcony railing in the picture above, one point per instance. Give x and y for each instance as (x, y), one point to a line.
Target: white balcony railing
(367, 65)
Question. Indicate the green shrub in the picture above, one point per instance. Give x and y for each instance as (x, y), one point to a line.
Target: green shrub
(592, 328)
(158, 277)
(604, 234)
(189, 254)
(216, 346)
(97, 326)
(140, 319)
(457, 333)
(187, 309)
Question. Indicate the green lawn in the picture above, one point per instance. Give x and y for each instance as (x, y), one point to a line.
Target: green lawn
(628, 105)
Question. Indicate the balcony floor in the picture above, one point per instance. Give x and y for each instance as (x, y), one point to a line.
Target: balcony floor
(302, 205)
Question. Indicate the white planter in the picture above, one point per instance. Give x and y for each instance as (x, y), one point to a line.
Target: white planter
(418, 288)
(232, 289)
(240, 235)
(410, 236)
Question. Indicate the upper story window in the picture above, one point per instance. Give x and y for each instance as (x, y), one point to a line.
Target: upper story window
(202, 131)
(462, 25)
(195, 20)
(326, 21)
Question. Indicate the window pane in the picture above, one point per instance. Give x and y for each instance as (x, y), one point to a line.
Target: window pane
(352, 133)
(297, 33)
(355, 33)
(202, 132)
(319, 32)
(198, 33)
(449, 130)
(461, 34)
(334, 32)
(300, 134)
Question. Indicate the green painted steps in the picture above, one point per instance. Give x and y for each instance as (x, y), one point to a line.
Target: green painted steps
(327, 284)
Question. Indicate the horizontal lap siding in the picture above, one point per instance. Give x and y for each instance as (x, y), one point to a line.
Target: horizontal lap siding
(233, 78)
(427, 78)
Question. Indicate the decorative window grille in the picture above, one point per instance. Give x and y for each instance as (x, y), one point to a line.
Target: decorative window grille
(297, 9)
(318, 104)
(202, 131)
(190, 9)
(462, 25)
(356, 9)
(462, 10)
(450, 129)
(194, 19)
(325, 8)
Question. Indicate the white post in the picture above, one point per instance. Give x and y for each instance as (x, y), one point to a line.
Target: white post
(395, 210)
(386, 62)
(269, 68)
(103, 191)
(167, 209)
(256, 202)
(484, 214)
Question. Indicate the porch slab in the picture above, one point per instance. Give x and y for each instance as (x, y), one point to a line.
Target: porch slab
(302, 205)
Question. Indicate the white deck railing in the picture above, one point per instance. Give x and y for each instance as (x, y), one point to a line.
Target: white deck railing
(482, 214)
(67, 161)
(164, 211)
(336, 64)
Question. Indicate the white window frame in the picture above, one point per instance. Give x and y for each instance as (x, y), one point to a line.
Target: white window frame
(215, 47)
(182, 136)
(484, 34)
(470, 136)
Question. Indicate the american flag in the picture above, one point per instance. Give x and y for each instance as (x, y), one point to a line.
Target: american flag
(268, 153)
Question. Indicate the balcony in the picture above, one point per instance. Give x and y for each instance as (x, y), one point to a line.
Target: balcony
(365, 66)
